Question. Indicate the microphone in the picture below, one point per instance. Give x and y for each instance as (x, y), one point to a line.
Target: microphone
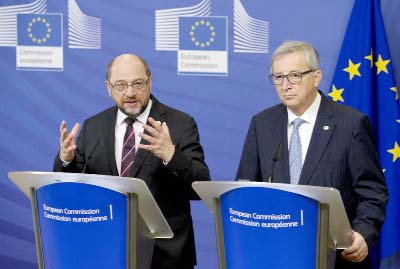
(275, 158)
(89, 157)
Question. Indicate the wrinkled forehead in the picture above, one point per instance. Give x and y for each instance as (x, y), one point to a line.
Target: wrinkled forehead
(289, 62)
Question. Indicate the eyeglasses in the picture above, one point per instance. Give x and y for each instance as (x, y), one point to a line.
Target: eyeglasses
(122, 86)
(293, 77)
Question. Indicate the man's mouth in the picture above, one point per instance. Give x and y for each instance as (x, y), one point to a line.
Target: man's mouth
(288, 95)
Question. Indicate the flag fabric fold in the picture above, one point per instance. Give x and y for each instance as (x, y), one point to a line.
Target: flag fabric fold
(364, 79)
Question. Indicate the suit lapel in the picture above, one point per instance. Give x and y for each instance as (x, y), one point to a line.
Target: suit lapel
(156, 113)
(324, 127)
(281, 170)
(109, 140)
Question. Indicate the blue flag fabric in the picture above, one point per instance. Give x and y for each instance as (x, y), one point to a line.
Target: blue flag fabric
(364, 80)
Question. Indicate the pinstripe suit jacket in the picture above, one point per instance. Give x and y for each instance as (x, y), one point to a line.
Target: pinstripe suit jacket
(342, 156)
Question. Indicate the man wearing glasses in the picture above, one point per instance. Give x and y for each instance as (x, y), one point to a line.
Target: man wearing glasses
(142, 138)
(310, 140)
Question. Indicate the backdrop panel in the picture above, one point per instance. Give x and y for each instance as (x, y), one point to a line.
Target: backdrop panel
(53, 59)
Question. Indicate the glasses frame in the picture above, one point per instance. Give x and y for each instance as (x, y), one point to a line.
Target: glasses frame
(132, 85)
(272, 77)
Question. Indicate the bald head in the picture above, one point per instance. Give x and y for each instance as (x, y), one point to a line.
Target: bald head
(126, 60)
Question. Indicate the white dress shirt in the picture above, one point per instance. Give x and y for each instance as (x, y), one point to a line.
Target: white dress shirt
(120, 128)
(305, 129)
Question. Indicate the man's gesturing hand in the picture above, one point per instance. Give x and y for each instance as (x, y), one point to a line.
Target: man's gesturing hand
(68, 141)
(159, 138)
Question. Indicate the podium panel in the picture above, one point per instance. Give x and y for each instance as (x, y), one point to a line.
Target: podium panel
(281, 232)
(92, 221)
(84, 226)
(273, 225)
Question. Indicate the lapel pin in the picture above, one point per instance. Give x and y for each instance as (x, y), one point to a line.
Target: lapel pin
(326, 128)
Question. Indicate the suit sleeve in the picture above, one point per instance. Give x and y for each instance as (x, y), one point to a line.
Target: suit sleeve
(249, 166)
(368, 182)
(188, 163)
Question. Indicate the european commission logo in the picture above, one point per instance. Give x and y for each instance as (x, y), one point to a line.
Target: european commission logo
(39, 42)
(201, 39)
(38, 35)
(203, 46)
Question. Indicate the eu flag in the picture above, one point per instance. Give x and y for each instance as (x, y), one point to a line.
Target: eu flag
(364, 79)
(203, 33)
(39, 30)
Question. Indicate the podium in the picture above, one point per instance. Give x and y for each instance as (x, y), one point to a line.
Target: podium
(92, 221)
(274, 225)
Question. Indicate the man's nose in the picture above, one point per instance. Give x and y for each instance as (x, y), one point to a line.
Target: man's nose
(130, 91)
(286, 83)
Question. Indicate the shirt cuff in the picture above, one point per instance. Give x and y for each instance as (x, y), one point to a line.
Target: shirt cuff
(64, 163)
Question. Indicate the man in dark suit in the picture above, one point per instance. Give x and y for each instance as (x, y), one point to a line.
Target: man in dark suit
(164, 151)
(331, 146)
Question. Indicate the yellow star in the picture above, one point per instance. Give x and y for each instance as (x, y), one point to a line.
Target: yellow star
(398, 121)
(336, 94)
(395, 151)
(370, 58)
(352, 69)
(381, 65)
(396, 91)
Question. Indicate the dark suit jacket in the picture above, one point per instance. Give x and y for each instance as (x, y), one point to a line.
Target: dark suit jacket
(342, 155)
(170, 185)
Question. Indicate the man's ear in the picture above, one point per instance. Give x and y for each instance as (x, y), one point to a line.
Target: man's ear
(149, 83)
(108, 85)
(317, 77)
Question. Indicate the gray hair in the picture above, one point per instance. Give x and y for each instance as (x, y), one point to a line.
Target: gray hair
(287, 47)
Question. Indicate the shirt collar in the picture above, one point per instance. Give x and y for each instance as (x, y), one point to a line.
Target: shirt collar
(310, 115)
(142, 117)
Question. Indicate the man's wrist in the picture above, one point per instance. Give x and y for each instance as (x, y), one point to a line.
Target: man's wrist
(64, 163)
(169, 158)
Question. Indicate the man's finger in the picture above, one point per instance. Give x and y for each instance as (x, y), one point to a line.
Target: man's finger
(165, 127)
(350, 250)
(148, 138)
(62, 126)
(146, 147)
(353, 246)
(151, 130)
(70, 148)
(63, 131)
(155, 124)
(355, 257)
(75, 129)
(66, 143)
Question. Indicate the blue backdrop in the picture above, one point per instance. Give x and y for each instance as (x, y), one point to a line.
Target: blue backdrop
(222, 88)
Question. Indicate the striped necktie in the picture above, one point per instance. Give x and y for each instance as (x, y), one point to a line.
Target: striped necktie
(128, 148)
